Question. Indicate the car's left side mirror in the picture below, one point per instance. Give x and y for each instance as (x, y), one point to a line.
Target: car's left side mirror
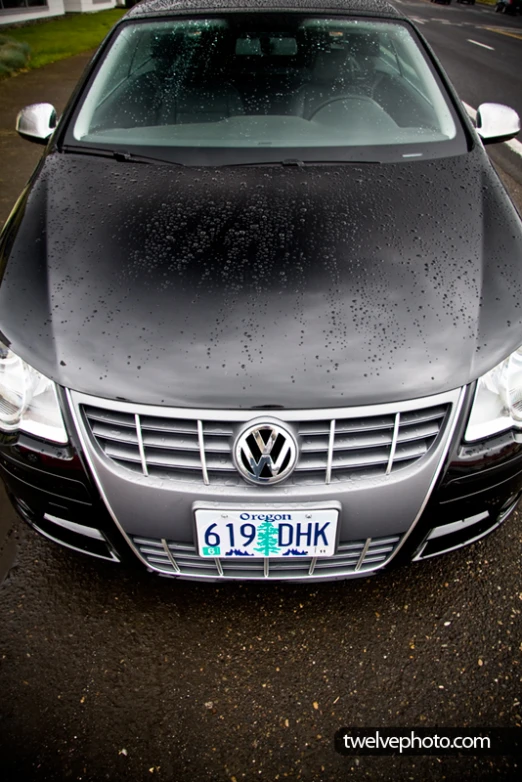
(496, 122)
(36, 122)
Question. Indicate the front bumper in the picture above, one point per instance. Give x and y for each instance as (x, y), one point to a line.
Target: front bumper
(77, 496)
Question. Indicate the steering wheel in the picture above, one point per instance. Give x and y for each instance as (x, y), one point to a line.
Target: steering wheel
(328, 101)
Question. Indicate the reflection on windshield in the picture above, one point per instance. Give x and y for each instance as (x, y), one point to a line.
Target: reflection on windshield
(265, 81)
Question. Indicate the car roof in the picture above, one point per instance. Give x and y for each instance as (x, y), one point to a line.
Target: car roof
(378, 8)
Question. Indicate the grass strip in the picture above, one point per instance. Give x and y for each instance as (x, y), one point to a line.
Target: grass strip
(56, 39)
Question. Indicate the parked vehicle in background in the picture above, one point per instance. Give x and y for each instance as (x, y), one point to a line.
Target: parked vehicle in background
(509, 7)
(250, 327)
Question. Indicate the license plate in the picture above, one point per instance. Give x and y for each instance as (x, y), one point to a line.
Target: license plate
(266, 533)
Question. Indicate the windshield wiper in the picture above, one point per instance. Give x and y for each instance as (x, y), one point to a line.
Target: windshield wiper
(123, 156)
(289, 162)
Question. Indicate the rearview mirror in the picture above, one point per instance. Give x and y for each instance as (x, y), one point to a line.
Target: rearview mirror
(36, 122)
(496, 122)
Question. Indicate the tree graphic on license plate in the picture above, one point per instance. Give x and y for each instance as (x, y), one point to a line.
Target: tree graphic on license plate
(267, 535)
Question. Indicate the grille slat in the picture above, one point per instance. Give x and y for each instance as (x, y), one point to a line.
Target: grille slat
(157, 560)
(199, 563)
(171, 425)
(421, 416)
(314, 443)
(344, 441)
(215, 445)
(153, 439)
(188, 449)
(357, 459)
(352, 426)
(153, 551)
(418, 431)
(189, 563)
(182, 460)
(111, 417)
(122, 452)
(413, 450)
(122, 432)
(374, 560)
(217, 428)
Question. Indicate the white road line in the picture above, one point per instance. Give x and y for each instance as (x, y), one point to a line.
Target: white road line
(484, 45)
(513, 144)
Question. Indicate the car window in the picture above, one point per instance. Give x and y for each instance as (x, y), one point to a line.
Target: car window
(266, 81)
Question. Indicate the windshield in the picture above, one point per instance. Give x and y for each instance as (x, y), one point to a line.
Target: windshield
(325, 88)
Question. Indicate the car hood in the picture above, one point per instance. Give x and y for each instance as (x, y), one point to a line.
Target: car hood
(269, 286)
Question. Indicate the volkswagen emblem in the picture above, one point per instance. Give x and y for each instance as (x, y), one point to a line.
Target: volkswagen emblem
(265, 453)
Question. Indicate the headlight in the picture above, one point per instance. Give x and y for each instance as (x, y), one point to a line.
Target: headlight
(28, 400)
(498, 399)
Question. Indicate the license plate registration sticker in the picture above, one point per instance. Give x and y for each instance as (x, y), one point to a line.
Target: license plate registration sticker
(266, 533)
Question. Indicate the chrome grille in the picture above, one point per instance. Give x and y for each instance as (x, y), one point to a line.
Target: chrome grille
(374, 445)
(188, 449)
(182, 559)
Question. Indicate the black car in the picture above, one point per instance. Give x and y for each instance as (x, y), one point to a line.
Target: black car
(260, 301)
(509, 7)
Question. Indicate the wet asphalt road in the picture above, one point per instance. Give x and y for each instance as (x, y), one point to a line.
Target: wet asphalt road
(108, 673)
(481, 51)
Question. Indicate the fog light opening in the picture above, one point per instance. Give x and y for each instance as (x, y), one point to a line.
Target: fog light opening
(508, 507)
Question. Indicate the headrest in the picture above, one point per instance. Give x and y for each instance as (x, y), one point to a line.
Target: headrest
(329, 66)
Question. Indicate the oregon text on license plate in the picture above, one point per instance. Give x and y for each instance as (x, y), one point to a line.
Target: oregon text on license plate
(266, 533)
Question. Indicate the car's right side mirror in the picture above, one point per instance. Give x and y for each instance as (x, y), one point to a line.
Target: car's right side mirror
(36, 122)
(496, 122)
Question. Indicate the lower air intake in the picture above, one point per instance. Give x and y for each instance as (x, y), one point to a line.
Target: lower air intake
(182, 559)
